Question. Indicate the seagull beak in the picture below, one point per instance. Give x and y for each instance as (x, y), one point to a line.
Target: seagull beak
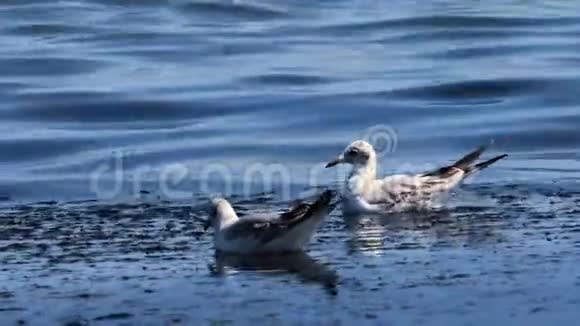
(332, 163)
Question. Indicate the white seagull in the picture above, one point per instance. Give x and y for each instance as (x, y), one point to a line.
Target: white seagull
(287, 232)
(365, 194)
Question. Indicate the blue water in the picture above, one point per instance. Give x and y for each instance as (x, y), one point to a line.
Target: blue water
(109, 100)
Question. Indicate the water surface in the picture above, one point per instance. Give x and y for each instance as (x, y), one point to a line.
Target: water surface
(89, 88)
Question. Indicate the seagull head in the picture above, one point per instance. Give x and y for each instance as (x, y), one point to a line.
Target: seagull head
(220, 210)
(358, 152)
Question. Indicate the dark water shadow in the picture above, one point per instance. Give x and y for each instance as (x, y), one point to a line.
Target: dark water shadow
(300, 264)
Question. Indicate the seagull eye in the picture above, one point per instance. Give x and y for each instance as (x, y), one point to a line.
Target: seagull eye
(352, 152)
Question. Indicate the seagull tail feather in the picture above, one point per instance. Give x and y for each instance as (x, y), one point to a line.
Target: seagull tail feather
(465, 164)
(321, 202)
(303, 211)
(485, 164)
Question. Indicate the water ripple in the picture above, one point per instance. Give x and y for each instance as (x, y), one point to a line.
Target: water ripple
(159, 84)
(81, 110)
(286, 79)
(452, 21)
(474, 89)
(47, 66)
(223, 10)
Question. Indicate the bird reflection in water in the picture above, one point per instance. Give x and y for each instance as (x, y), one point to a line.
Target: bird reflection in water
(299, 263)
(368, 234)
(462, 226)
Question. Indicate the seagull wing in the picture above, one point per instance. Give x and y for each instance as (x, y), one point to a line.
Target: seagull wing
(262, 229)
(266, 230)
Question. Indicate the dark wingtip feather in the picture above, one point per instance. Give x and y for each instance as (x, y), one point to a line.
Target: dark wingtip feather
(327, 195)
(466, 164)
(305, 211)
(483, 165)
(466, 161)
(323, 201)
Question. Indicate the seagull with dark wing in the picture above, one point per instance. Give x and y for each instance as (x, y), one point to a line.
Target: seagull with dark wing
(288, 232)
(365, 194)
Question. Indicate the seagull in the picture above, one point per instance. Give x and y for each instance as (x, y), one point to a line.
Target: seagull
(287, 232)
(365, 194)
